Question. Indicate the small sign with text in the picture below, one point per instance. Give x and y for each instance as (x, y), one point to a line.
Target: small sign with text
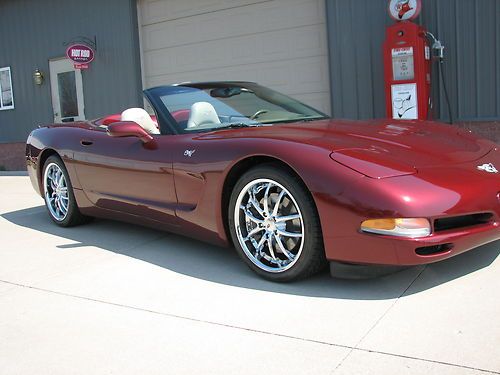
(81, 55)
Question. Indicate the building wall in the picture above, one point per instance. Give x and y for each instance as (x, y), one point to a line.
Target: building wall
(34, 31)
(469, 29)
(12, 156)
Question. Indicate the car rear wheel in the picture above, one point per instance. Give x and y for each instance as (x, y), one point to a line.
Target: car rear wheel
(58, 194)
(274, 225)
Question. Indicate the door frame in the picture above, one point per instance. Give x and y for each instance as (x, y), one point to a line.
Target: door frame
(62, 65)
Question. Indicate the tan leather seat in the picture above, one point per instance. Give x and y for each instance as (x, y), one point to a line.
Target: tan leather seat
(202, 113)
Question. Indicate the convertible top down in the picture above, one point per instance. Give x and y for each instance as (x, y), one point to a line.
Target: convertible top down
(235, 163)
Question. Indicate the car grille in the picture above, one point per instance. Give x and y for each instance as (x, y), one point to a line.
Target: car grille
(463, 221)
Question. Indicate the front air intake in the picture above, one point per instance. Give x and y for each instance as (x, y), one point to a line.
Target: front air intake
(434, 249)
(463, 221)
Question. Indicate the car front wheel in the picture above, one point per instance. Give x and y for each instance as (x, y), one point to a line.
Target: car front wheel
(274, 225)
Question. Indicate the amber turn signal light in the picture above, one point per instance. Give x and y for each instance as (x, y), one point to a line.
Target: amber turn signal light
(402, 227)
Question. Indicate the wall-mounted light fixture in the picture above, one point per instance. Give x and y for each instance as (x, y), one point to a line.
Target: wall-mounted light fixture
(38, 77)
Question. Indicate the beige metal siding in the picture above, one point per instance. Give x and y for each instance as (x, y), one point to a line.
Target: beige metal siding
(278, 43)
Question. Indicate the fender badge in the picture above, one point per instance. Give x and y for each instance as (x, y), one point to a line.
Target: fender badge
(490, 168)
(189, 153)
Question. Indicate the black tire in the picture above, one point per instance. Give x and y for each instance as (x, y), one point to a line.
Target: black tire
(73, 215)
(311, 258)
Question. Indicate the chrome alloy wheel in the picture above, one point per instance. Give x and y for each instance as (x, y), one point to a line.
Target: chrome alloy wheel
(269, 225)
(55, 190)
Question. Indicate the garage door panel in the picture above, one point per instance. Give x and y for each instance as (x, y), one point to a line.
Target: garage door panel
(310, 74)
(278, 43)
(281, 45)
(154, 11)
(289, 13)
(259, 18)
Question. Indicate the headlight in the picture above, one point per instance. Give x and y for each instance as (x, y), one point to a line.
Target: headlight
(419, 227)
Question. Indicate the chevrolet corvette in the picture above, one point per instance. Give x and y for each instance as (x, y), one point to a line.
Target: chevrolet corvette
(238, 164)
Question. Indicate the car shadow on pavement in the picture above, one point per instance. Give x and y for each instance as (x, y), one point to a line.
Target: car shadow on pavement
(221, 265)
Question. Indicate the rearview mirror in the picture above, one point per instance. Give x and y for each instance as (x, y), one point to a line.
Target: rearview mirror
(225, 92)
(129, 129)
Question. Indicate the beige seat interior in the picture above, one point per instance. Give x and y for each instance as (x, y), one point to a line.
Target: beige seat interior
(142, 118)
(202, 113)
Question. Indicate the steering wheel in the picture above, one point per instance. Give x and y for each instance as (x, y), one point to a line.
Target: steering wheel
(258, 113)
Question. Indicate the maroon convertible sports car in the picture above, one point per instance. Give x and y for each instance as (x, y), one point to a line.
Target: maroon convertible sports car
(235, 163)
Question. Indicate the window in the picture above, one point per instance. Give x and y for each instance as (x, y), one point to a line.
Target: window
(6, 95)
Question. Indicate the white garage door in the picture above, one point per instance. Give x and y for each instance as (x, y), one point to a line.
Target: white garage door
(278, 43)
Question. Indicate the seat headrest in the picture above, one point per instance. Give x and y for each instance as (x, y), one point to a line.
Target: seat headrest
(142, 118)
(202, 113)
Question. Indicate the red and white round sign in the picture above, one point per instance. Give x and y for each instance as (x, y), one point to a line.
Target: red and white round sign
(403, 10)
(80, 53)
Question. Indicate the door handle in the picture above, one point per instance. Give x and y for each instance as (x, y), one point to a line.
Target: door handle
(86, 142)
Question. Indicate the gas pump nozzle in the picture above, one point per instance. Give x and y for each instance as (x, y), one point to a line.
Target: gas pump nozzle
(438, 49)
(437, 46)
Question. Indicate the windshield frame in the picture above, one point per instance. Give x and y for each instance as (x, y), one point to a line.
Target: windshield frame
(168, 125)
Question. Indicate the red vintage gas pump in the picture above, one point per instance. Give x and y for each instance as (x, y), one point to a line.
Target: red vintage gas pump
(407, 63)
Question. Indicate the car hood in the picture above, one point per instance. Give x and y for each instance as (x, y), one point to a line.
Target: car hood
(385, 148)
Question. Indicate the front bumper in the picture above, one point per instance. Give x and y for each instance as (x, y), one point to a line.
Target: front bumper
(388, 250)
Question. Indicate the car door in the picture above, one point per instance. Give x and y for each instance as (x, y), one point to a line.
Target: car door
(121, 174)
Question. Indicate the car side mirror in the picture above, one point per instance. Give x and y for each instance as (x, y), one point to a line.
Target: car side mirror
(130, 129)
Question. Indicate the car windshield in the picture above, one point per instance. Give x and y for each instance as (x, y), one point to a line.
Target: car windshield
(205, 107)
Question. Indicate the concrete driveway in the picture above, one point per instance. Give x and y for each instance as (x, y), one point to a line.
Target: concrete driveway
(111, 298)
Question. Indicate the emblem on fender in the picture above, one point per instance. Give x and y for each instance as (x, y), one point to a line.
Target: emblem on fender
(488, 167)
(189, 153)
